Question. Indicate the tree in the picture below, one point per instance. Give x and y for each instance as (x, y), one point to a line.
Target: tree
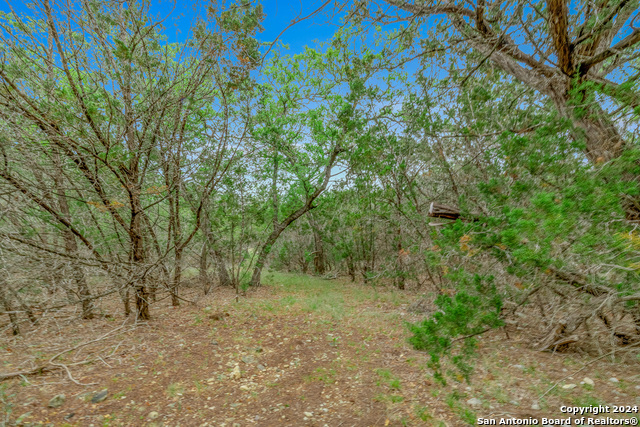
(106, 98)
(309, 118)
(579, 58)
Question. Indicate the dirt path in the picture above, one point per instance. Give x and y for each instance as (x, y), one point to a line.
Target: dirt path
(298, 352)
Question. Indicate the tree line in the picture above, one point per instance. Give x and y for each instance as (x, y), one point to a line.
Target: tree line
(126, 159)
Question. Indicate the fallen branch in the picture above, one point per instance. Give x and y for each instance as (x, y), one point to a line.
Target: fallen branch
(560, 336)
(580, 282)
(66, 368)
(51, 365)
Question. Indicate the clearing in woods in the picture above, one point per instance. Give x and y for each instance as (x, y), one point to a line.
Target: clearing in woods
(299, 351)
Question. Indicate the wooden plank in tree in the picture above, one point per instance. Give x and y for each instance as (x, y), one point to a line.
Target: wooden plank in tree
(437, 210)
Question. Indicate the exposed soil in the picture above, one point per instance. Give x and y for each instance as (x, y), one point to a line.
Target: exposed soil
(310, 353)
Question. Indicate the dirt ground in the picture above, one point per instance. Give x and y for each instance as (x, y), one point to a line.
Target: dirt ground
(299, 351)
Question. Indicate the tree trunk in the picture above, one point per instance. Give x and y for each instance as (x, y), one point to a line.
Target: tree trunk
(133, 185)
(71, 246)
(23, 306)
(223, 272)
(319, 263)
(124, 296)
(212, 244)
(83, 292)
(204, 275)
(365, 274)
(603, 143)
(138, 255)
(401, 254)
(400, 279)
(174, 212)
(6, 303)
(151, 236)
(264, 252)
(350, 268)
(177, 272)
(82, 289)
(142, 303)
(142, 296)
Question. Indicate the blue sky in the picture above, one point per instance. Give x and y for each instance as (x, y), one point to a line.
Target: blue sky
(279, 14)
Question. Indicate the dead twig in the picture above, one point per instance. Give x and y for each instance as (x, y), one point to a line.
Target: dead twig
(66, 368)
(51, 365)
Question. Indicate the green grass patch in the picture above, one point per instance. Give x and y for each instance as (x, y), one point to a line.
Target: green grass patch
(288, 301)
(422, 413)
(588, 400)
(327, 303)
(388, 378)
(390, 398)
(299, 283)
(327, 376)
(453, 401)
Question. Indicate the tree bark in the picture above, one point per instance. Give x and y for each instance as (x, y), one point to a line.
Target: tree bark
(264, 251)
(142, 297)
(212, 245)
(71, 246)
(177, 273)
(351, 268)
(133, 187)
(124, 296)
(23, 306)
(137, 245)
(400, 279)
(6, 303)
(223, 272)
(151, 236)
(204, 275)
(142, 302)
(319, 259)
(174, 212)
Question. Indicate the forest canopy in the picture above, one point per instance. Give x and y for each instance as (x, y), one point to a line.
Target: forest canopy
(484, 152)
